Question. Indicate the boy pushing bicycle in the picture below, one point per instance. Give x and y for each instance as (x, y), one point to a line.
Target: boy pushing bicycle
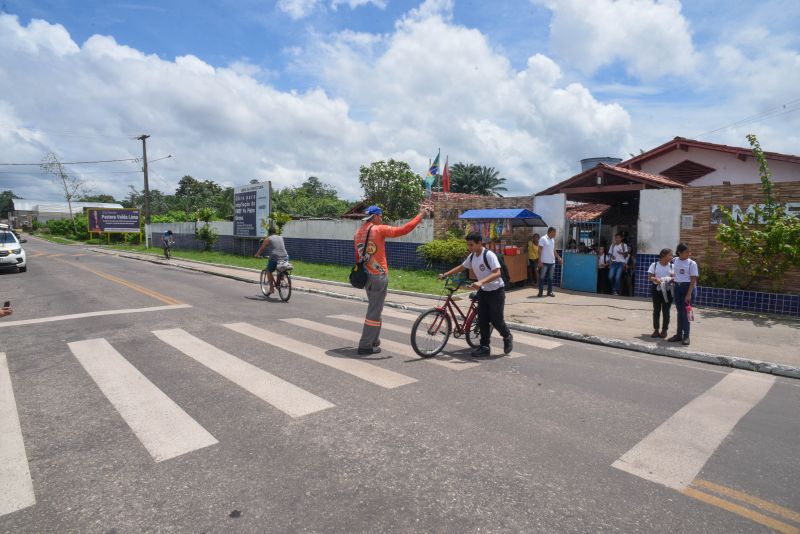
(491, 293)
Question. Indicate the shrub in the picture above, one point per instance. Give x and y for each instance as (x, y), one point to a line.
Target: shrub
(451, 250)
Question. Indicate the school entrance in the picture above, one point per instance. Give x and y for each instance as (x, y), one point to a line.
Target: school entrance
(604, 201)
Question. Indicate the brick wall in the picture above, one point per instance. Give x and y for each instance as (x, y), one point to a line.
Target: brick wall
(701, 238)
(447, 210)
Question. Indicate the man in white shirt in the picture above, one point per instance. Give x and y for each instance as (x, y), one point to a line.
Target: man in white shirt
(547, 261)
(491, 293)
(619, 259)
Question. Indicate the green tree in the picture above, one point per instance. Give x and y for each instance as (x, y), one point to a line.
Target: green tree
(73, 186)
(193, 194)
(766, 240)
(463, 177)
(312, 199)
(489, 183)
(98, 198)
(6, 198)
(205, 233)
(160, 204)
(393, 186)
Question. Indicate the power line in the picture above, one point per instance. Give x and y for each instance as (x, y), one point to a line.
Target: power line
(758, 117)
(75, 162)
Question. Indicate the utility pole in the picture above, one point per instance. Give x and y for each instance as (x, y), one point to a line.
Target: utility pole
(143, 138)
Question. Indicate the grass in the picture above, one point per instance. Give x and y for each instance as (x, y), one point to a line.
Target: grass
(418, 281)
(57, 239)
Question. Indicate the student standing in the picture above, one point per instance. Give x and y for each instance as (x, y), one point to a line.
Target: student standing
(491, 293)
(547, 261)
(686, 274)
(619, 259)
(603, 260)
(661, 271)
(533, 259)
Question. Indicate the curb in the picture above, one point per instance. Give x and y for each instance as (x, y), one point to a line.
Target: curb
(735, 362)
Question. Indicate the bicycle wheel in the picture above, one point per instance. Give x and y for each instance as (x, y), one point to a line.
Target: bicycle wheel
(430, 333)
(474, 334)
(264, 283)
(284, 286)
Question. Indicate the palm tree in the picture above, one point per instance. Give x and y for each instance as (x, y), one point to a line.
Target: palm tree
(488, 182)
(462, 177)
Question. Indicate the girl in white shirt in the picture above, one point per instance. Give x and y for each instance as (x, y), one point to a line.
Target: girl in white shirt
(658, 272)
(686, 274)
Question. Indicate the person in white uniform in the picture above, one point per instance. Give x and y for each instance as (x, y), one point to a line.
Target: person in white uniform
(686, 274)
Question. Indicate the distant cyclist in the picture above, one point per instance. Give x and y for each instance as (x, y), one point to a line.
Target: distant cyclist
(167, 242)
(276, 250)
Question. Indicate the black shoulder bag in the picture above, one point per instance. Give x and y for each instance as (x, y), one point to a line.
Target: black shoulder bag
(359, 275)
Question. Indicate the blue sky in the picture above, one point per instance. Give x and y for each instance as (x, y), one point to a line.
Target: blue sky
(283, 90)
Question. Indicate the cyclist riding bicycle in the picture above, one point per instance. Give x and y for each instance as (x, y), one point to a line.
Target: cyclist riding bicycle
(166, 241)
(276, 250)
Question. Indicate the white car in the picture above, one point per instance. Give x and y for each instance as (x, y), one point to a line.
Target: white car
(11, 252)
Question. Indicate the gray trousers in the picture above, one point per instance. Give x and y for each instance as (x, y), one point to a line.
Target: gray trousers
(376, 288)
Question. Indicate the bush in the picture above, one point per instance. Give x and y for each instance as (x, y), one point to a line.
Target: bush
(451, 250)
(711, 278)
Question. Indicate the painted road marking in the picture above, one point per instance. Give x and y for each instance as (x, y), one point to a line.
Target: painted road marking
(363, 370)
(284, 396)
(55, 318)
(523, 339)
(767, 506)
(136, 287)
(407, 330)
(450, 362)
(15, 477)
(752, 515)
(675, 452)
(165, 430)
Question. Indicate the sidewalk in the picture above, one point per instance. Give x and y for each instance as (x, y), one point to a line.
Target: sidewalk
(764, 343)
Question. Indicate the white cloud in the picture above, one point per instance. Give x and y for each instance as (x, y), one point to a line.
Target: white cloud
(428, 84)
(298, 9)
(651, 37)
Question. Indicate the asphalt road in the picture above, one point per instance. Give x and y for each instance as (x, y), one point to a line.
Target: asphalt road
(232, 414)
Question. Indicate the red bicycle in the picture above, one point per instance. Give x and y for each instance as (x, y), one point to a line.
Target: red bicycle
(432, 329)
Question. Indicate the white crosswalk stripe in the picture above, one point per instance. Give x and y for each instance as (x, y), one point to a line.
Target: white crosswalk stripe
(165, 430)
(16, 486)
(363, 370)
(455, 364)
(523, 339)
(407, 330)
(284, 396)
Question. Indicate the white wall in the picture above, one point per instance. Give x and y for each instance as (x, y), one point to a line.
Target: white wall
(728, 167)
(308, 229)
(553, 209)
(659, 220)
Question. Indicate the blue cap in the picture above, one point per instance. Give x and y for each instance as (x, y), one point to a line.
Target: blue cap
(372, 210)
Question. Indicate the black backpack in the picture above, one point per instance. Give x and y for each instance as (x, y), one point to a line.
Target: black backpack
(359, 275)
(504, 274)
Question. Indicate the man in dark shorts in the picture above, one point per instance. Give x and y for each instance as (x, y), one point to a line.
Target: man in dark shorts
(276, 250)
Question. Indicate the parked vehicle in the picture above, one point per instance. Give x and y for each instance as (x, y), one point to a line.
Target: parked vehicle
(11, 252)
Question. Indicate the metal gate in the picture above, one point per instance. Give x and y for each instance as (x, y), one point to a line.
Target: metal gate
(580, 259)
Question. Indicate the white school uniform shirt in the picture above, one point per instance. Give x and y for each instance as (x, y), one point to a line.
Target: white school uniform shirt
(685, 269)
(478, 267)
(617, 252)
(660, 271)
(548, 245)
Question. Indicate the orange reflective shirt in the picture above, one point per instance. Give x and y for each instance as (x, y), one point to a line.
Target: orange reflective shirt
(376, 248)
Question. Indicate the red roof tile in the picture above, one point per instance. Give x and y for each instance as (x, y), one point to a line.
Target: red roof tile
(674, 144)
(586, 212)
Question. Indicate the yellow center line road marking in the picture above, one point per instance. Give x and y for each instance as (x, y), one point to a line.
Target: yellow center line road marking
(762, 519)
(136, 287)
(16, 486)
(767, 506)
(675, 452)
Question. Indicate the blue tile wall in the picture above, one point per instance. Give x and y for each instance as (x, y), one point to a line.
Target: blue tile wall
(404, 255)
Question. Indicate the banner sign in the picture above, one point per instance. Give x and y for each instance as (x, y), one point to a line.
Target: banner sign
(125, 221)
(250, 209)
